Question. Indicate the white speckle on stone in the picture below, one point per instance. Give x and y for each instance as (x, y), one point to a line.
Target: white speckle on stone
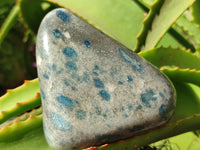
(46, 44)
(39, 61)
(111, 87)
(67, 35)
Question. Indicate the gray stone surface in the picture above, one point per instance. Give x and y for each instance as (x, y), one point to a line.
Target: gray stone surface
(94, 90)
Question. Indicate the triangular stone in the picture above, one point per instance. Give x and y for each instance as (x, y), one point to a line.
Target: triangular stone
(94, 90)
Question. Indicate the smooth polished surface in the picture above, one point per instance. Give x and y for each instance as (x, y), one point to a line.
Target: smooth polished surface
(94, 90)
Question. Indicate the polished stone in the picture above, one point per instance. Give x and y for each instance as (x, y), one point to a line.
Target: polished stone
(94, 90)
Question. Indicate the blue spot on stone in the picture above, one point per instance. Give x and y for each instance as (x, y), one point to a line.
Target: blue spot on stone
(105, 115)
(86, 77)
(122, 108)
(87, 44)
(96, 67)
(43, 53)
(108, 125)
(54, 43)
(73, 88)
(113, 73)
(63, 16)
(130, 79)
(120, 82)
(45, 76)
(42, 94)
(147, 97)
(98, 110)
(60, 122)
(70, 53)
(105, 95)
(98, 83)
(125, 116)
(130, 107)
(71, 65)
(67, 102)
(139, 107)
(95, 73)
(163, 110)
(60, 71)
(67, 83)
(57, 33)
(129, 59)
(91, 114)
(161, 95)
(80, 114)
(52, 67)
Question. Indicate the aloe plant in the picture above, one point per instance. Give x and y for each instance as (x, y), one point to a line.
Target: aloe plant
(167, 36)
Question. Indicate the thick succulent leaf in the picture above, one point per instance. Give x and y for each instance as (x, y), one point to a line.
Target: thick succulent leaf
(162, 15)
(2, 2)
(122, 22)
(169, 39)
(20, 100)
(172, 57)
(123, 26)
(23, 117)
(182, 75)
(32, 13)
(24, 134)
(173, 37)
(196, 11)
(9, 22)
(186, 141)
(191, 28)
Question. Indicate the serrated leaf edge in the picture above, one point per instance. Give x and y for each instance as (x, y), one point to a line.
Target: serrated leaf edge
(147, 24)
(4, 115)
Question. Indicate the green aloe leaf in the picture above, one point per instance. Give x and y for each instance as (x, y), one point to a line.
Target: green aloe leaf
(174, 37)
(32, 13)
(192, 29)
(2, 2)
(25, 132)
(196, 11)
(9, 22)
(123, 26)
(23, 117)
(20, 100)
(172, 57)
(186, 141)
(126, 16)
(182, 75)
(159, 21)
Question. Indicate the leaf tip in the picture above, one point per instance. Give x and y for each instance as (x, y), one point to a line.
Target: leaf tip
(37, 94)
(31, 116)
(174, 20)
(192, 3)
(26, 81)
(8, 90)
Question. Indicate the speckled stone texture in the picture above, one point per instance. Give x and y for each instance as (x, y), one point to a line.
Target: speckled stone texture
(94, 90)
